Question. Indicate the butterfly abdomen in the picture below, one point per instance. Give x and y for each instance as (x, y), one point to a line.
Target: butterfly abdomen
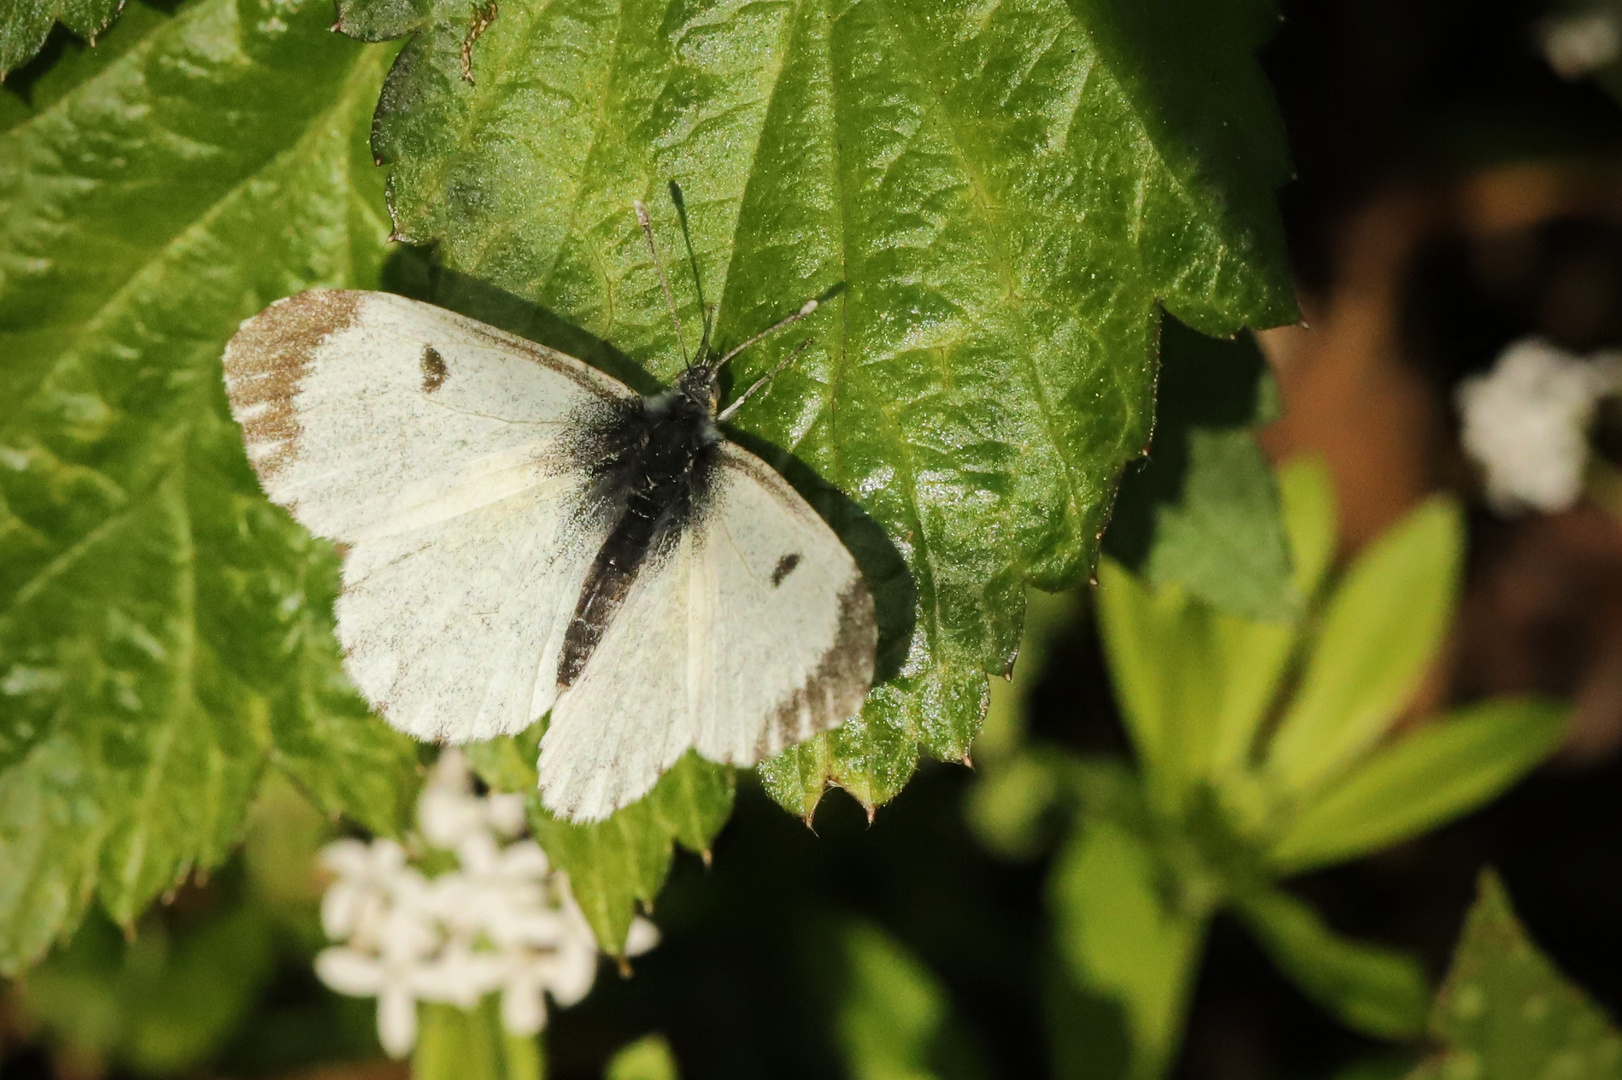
(653, 464)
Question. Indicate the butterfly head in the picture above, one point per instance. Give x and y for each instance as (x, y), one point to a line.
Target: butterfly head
(701, 385)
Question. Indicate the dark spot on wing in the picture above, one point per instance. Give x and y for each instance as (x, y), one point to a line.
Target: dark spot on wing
(785, 567)
(434, 370)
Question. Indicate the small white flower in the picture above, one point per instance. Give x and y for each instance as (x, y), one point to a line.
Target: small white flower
(396, 974)
(367, 876)
(447, 810)
(1577, 44)
(505, 813)
(1526, 424)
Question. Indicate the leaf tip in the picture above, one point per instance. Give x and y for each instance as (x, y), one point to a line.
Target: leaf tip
(709, 859)
(623, 965)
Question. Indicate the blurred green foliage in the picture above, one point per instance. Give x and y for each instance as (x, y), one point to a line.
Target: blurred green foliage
(1263, 748)
(649, 1058)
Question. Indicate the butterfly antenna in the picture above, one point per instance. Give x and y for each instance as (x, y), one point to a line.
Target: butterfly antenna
(726, 414)
(709, 324)
(810, 306)
(664, 282)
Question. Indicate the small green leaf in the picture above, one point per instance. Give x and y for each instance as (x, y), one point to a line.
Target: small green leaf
(508, 763)
(1381, 629)
(1252, 659)
(649, 1058)
(1160, 648)
(1009, 804)
(164, 631)
(996, 202)
(1506, 1013)
(891, 1017)
(1446, 768)
(1377, 991)
(1124, 934)
(1203, 510)
(1307, 492)
(24, 25)
(619, 863)
(471, 1044)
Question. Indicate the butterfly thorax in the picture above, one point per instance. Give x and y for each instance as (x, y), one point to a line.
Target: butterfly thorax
(652, 463)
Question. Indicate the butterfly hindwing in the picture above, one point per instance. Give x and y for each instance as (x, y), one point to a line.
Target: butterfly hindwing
(753, 633)
(428, 445)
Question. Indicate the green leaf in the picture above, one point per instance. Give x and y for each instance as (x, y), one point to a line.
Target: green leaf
(1447, 768)
(161, 1004)
(891, 1017)
(649, 1058)
(1506, 1013)
(1009, 804)
(1377, 991)
(995, 202)
(1203, 510)
(1156, 644)
(1381, 629)
(1307, 492)
(471, 1044)
(1125, 934)
(1252, 659)
(619, 863)
(508, 763)
(24, 25)
(164, 632)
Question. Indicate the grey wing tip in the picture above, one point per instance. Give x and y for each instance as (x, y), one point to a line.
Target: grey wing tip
(838, 686)
(266, 361)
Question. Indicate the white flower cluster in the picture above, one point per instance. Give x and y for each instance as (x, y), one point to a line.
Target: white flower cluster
(1526, 423)
(503, 921)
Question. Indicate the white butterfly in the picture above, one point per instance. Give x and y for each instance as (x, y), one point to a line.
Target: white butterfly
(524, 533)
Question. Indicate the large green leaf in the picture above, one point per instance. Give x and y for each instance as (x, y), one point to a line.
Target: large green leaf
(1450, 766)
(1506, 1012)
(24, 25)
(164, 632)
(996, 200)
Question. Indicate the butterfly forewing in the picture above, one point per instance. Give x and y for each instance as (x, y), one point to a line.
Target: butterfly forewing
(427, 444)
